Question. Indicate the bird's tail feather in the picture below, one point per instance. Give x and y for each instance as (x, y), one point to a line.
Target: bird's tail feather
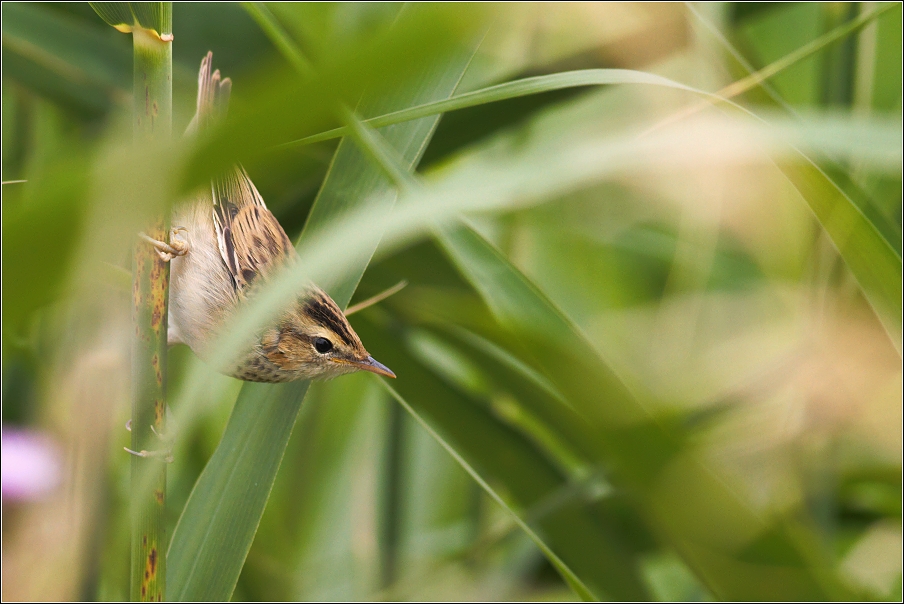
(213, 96)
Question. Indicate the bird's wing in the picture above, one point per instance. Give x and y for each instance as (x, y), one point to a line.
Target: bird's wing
(251, 240)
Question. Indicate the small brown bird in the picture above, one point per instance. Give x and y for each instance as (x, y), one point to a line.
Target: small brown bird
(225, 245)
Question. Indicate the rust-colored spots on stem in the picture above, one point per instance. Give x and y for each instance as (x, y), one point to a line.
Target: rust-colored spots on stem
(152, 126)
(149, 411)
(158, 372)
(158, 279)
(136, 292)
(150, 572)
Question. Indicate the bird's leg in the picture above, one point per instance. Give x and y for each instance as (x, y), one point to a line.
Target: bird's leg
(177, 246)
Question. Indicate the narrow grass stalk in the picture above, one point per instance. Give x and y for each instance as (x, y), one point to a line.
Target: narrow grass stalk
(151, 26)
(152, 115)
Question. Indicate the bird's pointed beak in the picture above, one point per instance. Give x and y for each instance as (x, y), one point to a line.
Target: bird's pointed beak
(374, 366)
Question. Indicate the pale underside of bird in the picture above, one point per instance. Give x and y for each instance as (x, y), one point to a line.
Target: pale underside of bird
(225, 244)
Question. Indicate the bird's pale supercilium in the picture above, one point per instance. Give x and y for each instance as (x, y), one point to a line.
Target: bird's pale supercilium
(224, 244)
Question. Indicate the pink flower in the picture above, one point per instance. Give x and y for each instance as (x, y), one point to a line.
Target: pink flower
(30, 464)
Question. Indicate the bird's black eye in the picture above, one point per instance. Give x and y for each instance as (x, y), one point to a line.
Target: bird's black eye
(322, 345)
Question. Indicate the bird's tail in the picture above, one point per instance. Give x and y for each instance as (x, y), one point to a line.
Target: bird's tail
(213, 96)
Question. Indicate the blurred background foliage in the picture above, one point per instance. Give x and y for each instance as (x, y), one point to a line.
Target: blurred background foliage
(641, 337)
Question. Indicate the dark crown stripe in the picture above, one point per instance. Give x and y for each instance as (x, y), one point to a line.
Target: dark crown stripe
(330, 317)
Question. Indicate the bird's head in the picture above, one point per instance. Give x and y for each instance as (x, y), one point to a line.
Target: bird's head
(314, 340)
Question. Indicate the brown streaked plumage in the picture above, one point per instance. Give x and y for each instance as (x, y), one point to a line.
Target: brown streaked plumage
(225, 244)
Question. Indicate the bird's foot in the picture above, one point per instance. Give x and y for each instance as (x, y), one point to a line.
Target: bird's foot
(166, 454)
(177, 246)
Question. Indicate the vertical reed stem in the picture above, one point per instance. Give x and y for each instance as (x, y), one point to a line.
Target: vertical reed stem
(152, 115)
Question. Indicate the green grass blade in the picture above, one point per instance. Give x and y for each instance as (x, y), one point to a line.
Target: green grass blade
(598, 77)
(215, 531)
(277, 35)
(115, 14)
(649, 454)
(874, 263)
(502, 92)
(574, 582)
(492, 178)
(582, 539)
(574, 437)
(870, 257)
(815, 46)
(861, 240)
(219, 522)
(313, 518)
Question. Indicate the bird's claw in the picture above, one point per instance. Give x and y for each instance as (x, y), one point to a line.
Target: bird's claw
(167, 251)
(166, 455)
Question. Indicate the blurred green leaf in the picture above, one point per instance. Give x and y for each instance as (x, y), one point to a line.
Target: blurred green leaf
(561, 155)
(541, 406)
(859, 231)
(886, 89)
(791, 61)
(646, 454)
(377, 68)
(41, 230)
(570, 577)
(874, 263)
(214, 534)
(508, 90)
(64, 59)
(586, 546)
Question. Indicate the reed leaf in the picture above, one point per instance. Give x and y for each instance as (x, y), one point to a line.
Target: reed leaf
(645, 452)
(65, 60)
(126, 16)
(584, 546)
(572, 579)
